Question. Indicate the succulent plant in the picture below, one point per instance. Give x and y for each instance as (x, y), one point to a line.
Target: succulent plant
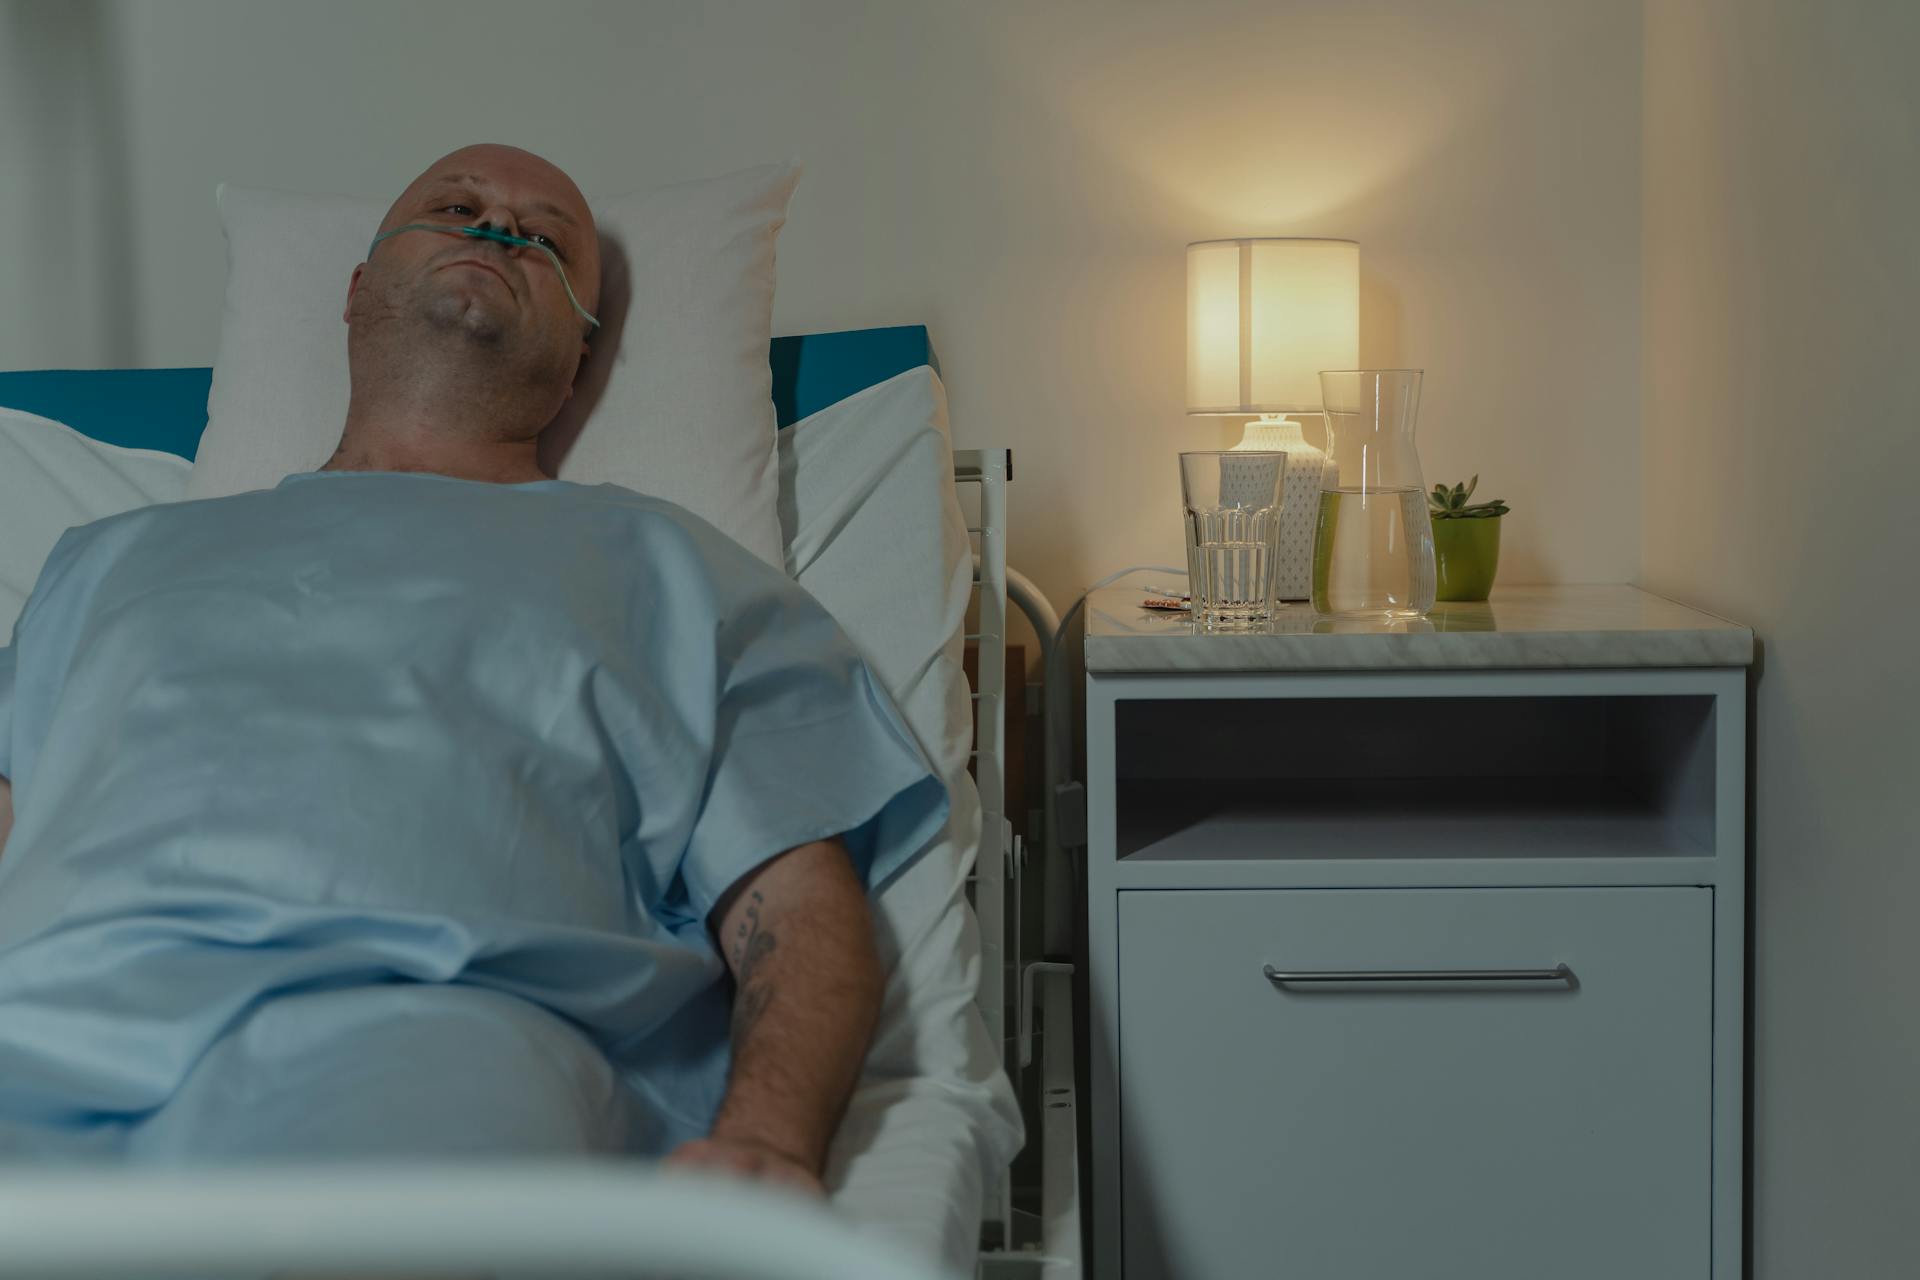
(1451, 504)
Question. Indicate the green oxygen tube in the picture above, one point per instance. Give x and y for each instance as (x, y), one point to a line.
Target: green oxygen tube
(500, 237)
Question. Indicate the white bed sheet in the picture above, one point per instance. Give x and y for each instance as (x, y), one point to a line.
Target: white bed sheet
(872, 527)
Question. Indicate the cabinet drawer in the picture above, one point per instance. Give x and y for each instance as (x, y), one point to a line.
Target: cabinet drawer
(1484, 1129)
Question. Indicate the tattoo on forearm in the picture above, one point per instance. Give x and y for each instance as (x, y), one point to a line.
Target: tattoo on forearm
(747, 930)
(752, 943)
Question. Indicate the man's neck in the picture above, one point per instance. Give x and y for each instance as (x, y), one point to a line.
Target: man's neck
(440, 425)
(493, 461)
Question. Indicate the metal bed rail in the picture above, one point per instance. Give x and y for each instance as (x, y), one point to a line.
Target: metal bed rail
(982, 476)
(985, 472)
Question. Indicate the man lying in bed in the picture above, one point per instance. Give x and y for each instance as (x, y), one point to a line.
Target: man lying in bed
(425, 805)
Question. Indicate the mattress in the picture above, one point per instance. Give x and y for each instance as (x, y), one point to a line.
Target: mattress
(872, 528)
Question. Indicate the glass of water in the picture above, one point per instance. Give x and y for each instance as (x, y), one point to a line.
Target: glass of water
(1233, 533)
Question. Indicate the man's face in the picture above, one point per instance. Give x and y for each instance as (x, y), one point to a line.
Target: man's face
(504, 296)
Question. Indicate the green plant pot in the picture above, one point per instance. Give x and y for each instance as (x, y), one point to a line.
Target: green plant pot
(1466, 555)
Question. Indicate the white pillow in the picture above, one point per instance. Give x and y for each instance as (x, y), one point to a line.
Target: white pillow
(874, 531)
(52, 478)
(675, 401)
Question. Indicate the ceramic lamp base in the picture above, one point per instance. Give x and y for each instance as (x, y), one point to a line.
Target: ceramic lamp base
(1299, 504)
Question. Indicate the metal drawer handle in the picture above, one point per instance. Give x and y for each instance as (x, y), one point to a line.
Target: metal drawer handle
(1559, 973)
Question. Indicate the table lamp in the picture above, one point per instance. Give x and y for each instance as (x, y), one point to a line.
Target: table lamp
(1264, 317)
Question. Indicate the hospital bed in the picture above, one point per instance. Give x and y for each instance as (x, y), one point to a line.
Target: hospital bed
(907, 1173)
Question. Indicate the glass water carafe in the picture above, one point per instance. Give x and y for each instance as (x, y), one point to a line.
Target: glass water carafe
(1373, 542)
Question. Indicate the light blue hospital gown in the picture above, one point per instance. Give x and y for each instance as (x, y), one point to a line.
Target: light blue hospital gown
(382, 814)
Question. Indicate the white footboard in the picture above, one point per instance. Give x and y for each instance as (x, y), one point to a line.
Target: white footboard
(528, 1219)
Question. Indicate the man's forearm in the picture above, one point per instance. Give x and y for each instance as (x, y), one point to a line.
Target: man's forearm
(807, 993)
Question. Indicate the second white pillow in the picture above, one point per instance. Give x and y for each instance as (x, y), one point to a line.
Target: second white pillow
(53, 478)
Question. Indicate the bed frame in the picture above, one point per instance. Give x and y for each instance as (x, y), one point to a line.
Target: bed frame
(162, 409)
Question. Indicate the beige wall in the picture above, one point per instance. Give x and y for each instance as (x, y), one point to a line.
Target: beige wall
(1022, 176)
(65, 258)
(1782, 420)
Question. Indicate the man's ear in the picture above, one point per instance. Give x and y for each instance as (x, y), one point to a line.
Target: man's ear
(585, 352)
(353, 282)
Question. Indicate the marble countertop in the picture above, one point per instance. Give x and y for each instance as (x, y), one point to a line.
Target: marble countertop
(1521, 627)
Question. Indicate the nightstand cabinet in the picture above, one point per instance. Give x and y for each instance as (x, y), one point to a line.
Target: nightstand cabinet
(1417, 952)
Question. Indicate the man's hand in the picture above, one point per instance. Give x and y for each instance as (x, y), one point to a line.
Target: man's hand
(747, 1159)
(798, 937)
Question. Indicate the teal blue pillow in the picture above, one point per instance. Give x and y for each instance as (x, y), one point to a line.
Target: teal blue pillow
(166, 409)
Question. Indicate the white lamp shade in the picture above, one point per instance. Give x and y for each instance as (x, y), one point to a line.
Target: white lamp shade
(1264, 317)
